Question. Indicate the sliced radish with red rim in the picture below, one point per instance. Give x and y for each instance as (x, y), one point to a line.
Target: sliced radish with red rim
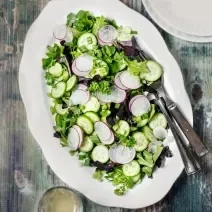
(79, 97)
(107, 34)
(110, 140)
(80, 132)
(60, 32)
(82, 65)
(118, 82)
(101, 43)
(82, 87)
(129, 80)
(73, 139)
(132, 100)
(117, 95)
(126, 43)
(140, 106)
(121, 154)
(103, 131)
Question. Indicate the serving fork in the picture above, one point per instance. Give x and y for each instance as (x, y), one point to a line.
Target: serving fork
(157, 87)
(189, 159)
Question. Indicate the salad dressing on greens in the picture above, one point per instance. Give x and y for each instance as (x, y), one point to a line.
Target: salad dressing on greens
(101, 113)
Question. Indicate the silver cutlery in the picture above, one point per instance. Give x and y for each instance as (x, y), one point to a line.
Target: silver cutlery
(190, 162)
(186, 128)
(157, 87)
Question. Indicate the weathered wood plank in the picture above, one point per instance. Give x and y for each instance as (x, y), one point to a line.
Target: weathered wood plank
(19, 152)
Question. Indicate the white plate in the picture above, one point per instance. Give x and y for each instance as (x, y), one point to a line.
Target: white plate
(180, 19)
(33, 91)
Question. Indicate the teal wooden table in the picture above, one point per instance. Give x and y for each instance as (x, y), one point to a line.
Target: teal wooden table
(24, 173)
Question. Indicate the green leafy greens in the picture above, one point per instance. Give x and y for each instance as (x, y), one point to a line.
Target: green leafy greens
(122, 182)
(102, 86)
(53, 52)
(128, 141)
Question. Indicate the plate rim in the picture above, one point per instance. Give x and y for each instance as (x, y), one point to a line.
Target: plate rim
(170, 29)
(22, 78)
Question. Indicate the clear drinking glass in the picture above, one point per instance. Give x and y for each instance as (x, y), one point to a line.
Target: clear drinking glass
(60, 199)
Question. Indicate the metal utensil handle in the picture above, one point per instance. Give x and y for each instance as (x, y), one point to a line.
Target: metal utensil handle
(188, 131)
(190, 162)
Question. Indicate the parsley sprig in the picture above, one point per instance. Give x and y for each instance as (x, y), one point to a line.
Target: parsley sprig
(102, 86)
(128, 141)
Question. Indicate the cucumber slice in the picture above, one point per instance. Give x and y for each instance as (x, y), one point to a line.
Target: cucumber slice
(92, 105)
(60, 110)
(100, 153)
(158, 120)
(141, 141)
(59, 79)
(58, 119)
(65, 75)
(58, 90)
(142, 123)
(149, 134)
(92, 116)
(155, 71)
(131, 169)
(56, 70)
(136, 178)
(85, 123)
(122, 128)
(71, 82)
(87, 41)
(87, 145)
(152, 111)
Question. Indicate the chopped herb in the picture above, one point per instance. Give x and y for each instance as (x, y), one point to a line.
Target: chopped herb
(128, 141)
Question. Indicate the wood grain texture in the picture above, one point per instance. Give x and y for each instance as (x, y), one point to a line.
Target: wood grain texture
(20, 155)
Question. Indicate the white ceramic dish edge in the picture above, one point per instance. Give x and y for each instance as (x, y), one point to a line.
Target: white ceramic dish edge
(173, 31)
(32, 88)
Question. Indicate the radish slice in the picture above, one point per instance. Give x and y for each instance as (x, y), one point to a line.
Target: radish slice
(132, 100)
(160, 133)
(121, 154)
(101, 43)
(82, 87)
(103, 131)
(104, 98)
(169, 139)
(129, 80)
(79, 97)
(73, 139)
(107, 34)
(117, 95)
(126, 43)
(60, 32)
(84, 63)
(80, 132)
(140, 106)
(152, 147)
(119, 83)
(110, 140)
(77, 71)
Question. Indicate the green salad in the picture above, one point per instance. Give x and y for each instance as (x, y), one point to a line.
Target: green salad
(97, 85)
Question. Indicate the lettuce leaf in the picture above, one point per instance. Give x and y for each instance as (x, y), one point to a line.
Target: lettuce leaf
(120, 181)
(100, 22)
(53, 52)
(81, 22)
